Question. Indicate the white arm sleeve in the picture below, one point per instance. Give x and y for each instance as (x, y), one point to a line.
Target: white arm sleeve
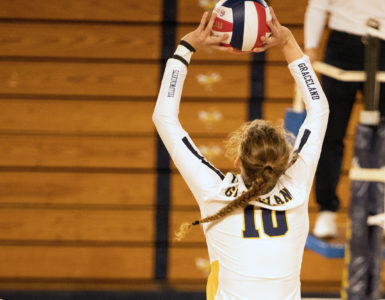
(311, 134)
(314, 24)
(298, 178)
(201, 177)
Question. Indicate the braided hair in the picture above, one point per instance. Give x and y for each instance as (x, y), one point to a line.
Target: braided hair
(265, 154)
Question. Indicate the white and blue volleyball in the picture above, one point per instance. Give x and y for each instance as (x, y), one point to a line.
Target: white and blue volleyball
(245, 21)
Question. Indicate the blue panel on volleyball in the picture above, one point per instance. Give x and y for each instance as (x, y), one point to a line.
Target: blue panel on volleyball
(294, 120)
(238, 8)
(263, 3)
(229, 3)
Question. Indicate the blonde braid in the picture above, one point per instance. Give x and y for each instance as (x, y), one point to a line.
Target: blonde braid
(239, 202)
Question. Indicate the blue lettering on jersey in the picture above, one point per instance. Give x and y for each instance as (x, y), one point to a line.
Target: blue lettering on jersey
(265, 200)
(283, 197)
(278, 200)
(309, 81)
(269, 228)
(286, 194)
(272, 229)
(174, 79)
(231, 192)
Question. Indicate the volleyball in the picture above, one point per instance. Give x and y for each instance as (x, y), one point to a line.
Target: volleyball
(245, 21)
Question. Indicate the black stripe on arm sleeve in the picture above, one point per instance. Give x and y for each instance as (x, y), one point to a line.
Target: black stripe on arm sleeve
(187, 45)
(304, 139)
(201, 158)
(180, 58)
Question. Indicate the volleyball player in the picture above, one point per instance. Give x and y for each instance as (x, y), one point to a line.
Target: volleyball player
(255, 222)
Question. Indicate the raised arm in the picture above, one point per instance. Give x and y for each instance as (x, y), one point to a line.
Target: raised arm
(198, 173)
(308, 144)
(311, 134)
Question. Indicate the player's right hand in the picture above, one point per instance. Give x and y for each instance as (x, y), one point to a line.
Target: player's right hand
(202, 37)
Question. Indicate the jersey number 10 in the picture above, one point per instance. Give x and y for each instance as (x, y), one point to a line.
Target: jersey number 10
(271, 227)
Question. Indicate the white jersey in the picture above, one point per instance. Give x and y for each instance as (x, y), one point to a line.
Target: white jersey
(348, 16)
(256, 252)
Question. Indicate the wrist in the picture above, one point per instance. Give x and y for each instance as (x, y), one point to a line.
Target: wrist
(190, 40)
(291, 50)
(289, 38)
(290, 42)
(184, 52)
(187, 45)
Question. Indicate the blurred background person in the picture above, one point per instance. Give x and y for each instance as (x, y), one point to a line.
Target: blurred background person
(345, 49)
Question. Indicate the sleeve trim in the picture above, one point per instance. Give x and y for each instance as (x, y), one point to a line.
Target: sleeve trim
(187, 45)
(181, 59)
(202, 158)
(304, 139)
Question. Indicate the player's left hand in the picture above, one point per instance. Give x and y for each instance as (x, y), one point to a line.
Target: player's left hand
(202, 36)
(279, 34)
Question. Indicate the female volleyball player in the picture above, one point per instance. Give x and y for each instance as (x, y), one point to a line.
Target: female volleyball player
(255, 222)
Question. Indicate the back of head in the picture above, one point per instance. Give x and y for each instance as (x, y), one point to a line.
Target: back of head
(265, 154)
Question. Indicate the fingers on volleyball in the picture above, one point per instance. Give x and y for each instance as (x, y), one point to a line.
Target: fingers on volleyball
(203, 22)
(259, 49)
(216, 40)
(206, 25)
(273, 16)
(273, 23)
(210, 24)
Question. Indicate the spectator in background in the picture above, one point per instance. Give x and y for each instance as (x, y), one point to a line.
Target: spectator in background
(345, 49)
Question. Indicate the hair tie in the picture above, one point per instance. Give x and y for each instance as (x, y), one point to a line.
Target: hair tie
(268, 167)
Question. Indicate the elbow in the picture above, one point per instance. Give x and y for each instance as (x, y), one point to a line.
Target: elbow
(324, 114)
(324, 107)
(155, 117)
(163, 120)
(159, 119)
(327, 109)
